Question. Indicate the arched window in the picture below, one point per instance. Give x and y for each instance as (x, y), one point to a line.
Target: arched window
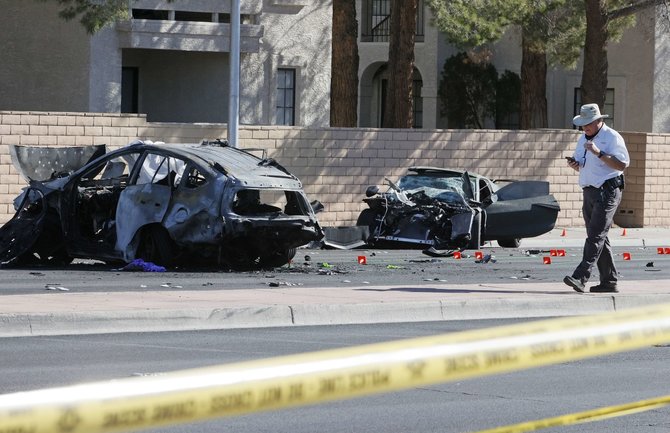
(380, 83)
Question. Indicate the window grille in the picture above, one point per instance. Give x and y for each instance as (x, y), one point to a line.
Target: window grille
(608, 108)
(376, 21)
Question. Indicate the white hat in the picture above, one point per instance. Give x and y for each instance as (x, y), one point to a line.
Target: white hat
(587, 114)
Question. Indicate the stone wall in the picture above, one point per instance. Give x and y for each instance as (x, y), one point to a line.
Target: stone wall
(337, 164)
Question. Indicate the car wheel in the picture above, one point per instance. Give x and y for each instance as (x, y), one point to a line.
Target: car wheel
(56, 258)
(277, 259)
(156, 246)
(59, 257)
(509, 243)
(368, 218)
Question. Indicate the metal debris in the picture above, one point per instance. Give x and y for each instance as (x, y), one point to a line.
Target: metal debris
(282, 283)
(486, 258)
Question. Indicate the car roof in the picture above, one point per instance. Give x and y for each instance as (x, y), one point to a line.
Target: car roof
(422, 169)
(236, 162)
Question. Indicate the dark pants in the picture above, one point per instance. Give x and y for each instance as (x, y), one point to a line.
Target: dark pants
(599, 207)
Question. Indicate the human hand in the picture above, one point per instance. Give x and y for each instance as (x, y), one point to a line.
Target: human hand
(591, 147)
(572, 163)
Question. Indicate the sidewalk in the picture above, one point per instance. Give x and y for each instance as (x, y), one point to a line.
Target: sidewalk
(101, 312)
(574, 237)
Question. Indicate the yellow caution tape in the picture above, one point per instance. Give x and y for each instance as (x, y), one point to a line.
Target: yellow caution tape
(211, 392)
(583, 417)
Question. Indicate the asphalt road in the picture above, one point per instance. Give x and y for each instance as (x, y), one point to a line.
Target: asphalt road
(36, 362)
(333, 268)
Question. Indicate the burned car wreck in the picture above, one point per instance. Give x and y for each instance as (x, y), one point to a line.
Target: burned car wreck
(169, 204)
(443, 211)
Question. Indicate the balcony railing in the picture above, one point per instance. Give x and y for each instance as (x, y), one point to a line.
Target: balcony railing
(186, 35)
(376, 21)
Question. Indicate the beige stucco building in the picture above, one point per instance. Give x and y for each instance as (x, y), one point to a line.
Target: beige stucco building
(171, 62)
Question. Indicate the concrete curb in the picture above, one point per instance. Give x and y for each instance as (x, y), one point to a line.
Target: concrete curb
(152, 320)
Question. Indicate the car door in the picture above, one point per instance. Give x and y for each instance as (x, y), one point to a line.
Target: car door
(146, 200)
(89, 205)
(195, 215)
(521, 209)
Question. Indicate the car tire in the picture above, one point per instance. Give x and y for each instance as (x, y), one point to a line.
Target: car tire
(509, 243)
(60, 257)
(367, 218)
(156, 246)
(277, 259)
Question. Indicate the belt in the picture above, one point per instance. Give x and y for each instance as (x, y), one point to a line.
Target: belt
(610, 184)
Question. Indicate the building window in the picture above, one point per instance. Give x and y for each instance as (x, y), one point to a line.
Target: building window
(607, 109)
(129, 90)
(417, 104)
(286, 97)
(376, 21)
(150, 14)
(193, 16)
(244, 18)
(383, 89)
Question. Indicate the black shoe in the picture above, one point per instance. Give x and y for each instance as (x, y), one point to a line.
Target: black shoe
(575, 283)
(604, 288)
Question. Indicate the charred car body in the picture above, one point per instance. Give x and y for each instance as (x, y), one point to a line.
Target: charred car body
(443, 210)
(165, 203)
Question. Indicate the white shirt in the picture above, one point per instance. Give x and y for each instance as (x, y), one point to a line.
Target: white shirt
(592, 170)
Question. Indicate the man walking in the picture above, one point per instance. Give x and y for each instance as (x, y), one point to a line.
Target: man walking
(600, 158)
